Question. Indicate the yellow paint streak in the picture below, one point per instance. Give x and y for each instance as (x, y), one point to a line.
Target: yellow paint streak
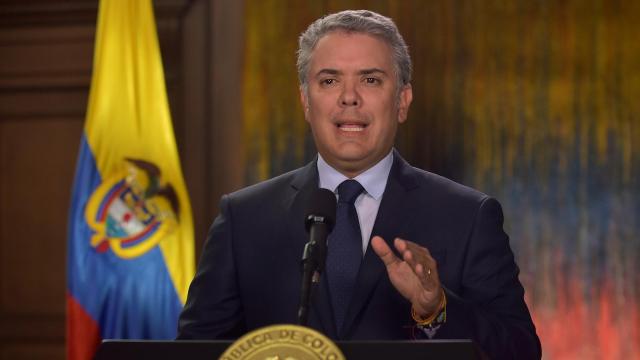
(507, 82)
(273, 120)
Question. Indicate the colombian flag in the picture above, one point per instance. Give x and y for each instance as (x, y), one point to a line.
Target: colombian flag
(130, 251)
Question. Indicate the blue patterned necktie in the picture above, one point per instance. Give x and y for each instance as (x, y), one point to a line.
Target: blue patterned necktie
(344, 250)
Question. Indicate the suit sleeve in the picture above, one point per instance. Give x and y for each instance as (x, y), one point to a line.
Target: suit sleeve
(490, 307)
(213, 309)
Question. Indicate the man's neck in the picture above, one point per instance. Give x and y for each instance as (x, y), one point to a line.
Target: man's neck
(373, 179)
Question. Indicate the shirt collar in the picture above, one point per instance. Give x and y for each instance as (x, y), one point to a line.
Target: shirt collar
(373, 180)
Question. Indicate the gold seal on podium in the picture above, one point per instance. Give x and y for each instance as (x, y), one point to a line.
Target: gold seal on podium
(283, 342)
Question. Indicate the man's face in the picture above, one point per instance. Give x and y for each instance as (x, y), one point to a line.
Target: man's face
(353, 105)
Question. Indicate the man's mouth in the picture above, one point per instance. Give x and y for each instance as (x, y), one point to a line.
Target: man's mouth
(348, 127)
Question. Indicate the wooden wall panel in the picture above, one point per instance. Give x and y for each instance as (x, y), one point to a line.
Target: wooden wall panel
(44, 80)
(38, 58)
(27, 351)
(43, 104)
(37, 159)
(193, 142)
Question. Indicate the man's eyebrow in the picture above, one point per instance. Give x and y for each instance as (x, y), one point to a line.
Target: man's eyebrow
(328, 72)
(372, 71)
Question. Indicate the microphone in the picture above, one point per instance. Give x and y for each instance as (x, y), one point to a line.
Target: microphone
(319, 220)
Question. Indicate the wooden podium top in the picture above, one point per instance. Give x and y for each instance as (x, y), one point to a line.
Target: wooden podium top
(209, 350)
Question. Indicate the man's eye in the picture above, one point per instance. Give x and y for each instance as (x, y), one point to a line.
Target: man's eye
(372, 80)
(328, 81)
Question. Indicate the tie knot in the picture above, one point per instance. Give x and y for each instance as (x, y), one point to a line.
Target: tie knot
(348, 191)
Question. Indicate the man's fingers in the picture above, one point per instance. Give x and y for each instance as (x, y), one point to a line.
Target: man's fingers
(404, 245)
(408, 252)
(383, 251)
(420, 262)
(400, 244)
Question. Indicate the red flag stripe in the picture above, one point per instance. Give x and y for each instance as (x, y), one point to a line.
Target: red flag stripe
(83, 334)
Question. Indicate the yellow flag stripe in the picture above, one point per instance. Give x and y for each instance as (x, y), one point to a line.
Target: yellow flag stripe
(128, 116)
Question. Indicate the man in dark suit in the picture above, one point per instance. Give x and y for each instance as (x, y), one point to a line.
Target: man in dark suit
(431, 259)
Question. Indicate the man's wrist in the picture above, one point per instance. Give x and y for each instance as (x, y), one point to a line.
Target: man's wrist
(436, 316)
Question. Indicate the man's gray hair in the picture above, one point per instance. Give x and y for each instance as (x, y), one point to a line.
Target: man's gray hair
(355, 21)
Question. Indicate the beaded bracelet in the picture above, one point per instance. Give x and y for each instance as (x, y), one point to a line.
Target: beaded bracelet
(442, 308)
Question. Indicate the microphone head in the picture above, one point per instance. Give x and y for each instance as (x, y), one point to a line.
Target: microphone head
(321, 209)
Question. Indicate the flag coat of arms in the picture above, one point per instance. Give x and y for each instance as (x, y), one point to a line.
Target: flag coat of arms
(130, 240)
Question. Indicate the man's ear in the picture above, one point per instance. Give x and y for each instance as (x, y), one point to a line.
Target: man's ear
(404, 101)
(304, 100)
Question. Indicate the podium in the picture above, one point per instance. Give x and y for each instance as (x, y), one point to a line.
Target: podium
(352, 350)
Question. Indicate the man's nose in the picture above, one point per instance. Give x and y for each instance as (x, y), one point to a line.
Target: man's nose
(350, 96)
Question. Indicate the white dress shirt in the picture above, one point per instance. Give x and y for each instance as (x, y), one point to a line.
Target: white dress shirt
(374, 181)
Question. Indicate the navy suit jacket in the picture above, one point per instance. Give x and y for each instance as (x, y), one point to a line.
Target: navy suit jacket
(249, 274)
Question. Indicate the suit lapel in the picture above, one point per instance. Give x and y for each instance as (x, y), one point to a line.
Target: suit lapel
(302, 186)
(395, 208)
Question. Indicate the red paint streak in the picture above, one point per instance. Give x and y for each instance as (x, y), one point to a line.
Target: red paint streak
(608, 339)
(606, 327)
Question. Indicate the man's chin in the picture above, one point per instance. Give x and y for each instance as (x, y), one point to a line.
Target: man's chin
(353, 164)
(354, 156)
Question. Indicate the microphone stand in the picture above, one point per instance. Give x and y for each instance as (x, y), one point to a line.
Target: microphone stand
(313, 260)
